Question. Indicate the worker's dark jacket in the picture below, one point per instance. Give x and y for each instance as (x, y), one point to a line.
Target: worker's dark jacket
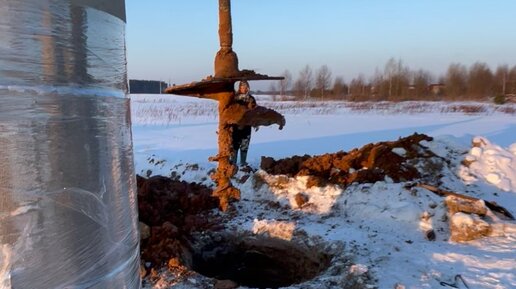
(242, 134)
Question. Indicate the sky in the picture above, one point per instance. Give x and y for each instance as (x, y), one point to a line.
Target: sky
(176, 41)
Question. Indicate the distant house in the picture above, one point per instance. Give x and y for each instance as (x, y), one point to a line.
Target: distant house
(411, 91)
(146, 86)
(436, 88)
(510, 98)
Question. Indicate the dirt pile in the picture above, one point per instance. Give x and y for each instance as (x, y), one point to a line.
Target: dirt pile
(258, 116)
(371, 163)
(173, 210)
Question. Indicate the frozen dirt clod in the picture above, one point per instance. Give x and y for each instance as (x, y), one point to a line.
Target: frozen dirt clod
(371, 163)
(173, 210)
(467, 227)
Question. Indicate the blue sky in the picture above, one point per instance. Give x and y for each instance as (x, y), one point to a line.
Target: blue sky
(177, 40)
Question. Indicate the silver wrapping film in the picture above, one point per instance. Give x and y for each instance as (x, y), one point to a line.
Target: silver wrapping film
(68, 207)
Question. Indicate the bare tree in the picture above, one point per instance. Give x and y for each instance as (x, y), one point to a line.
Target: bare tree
(500, 79)
(273, 90)
(480, 81)
(339, 87)
(456, 80)
(285, 82)
(379, 87)
(304, 82)
(402, 81)
(511, 82)
(358, 87)
(421, 80)
(396, 80)
(323, 79)
(390, 72)
(298, 88)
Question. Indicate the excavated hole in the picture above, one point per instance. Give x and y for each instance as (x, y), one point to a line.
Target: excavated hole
(258, 262)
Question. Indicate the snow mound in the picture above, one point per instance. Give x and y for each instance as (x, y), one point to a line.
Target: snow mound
(387, 232)
(492, 164)
(273, 228)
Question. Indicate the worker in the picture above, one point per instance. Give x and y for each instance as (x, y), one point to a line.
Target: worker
(242, 133)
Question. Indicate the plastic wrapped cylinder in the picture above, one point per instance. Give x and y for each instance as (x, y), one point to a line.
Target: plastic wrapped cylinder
(68, 208)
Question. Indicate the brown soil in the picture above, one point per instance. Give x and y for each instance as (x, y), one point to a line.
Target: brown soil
(173, 210)
(369, 164)
(226, 63)
(177, 212)
(224, 191)
(262, 116)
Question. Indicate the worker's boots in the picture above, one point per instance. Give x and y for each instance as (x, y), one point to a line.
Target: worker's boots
(243, 158)
(233, 158)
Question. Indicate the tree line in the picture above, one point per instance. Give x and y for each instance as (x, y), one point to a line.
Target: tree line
(398, 82)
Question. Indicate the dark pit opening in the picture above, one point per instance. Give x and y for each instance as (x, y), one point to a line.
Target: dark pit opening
(259, 262)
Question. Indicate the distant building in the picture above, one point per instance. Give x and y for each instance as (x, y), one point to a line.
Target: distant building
(147, 86)
(411, 91)
(436, 88)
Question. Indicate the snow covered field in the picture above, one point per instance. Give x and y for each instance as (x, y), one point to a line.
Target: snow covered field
(382, 225)
(180, 129)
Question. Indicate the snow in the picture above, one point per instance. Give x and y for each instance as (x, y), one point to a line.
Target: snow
(383, 225)
(461, 219)
(493, 164)
(399, 151)
(183, 129)
(277, 229)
